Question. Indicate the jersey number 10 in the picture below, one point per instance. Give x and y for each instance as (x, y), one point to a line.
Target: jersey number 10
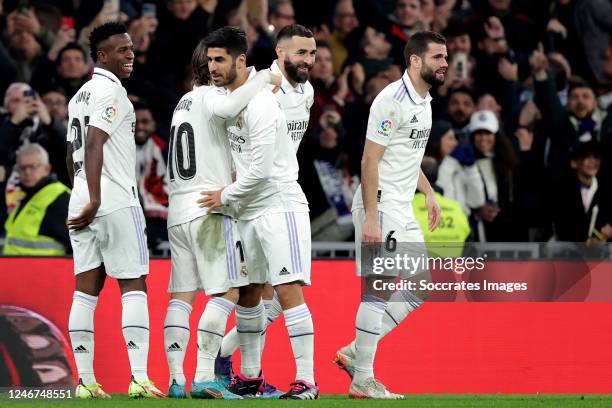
(182, 152)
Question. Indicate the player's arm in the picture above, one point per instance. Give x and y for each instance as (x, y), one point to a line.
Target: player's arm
(433, 209)
(70, 163)
(94, 157)
(382, 123)
(228, 106)
(372, 153)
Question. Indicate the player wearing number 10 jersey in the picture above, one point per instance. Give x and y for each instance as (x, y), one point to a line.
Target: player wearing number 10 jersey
(206, 251)
(106, 222)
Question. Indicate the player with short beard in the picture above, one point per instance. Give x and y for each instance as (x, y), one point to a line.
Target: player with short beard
(396, 136)
(296, 50)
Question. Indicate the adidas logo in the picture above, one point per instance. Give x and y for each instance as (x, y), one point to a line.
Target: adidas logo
(284, 271)
(414, 119)
(132, 346)
(175, 347)
(81, 349)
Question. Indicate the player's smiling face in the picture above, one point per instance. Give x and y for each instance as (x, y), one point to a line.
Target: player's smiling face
(435, 65)
(117, 55)
(222, 66)
(298, 57)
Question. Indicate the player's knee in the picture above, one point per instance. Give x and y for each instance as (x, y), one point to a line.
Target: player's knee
(232, 295)
(250, 296)
(131, 285)
(290, 294)
(187, 297)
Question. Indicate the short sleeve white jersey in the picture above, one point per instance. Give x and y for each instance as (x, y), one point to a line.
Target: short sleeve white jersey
(400, 120)
(102, 102)
(198, 155)
(265, 160)
(295, 103)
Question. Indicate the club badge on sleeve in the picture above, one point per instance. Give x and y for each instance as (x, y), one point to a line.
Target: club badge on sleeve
(110, 113)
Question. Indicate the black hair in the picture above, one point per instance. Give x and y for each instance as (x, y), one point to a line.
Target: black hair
(102, 33)
(199, 65)
(419, 42)
(232, 39)
(288, 32)
(578, 82)
(141, 105)
(70, 46)
(586, 149)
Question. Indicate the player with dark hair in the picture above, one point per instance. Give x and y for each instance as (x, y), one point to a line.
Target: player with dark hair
(296, 49)
(398, 129)
(272, 219)
(205, 246)
(107, 226)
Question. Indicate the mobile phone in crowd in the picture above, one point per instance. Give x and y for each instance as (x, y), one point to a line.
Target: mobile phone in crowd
(23, 5)
(460, 65)
(66, 22)
(149, 9)
(29, 93)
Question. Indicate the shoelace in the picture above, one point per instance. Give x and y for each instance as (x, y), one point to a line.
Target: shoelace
(297, 387)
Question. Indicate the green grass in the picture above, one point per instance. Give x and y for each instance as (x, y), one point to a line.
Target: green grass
(340, 401)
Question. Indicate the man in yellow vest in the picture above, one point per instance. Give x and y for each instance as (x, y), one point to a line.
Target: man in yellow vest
(454, 227)
(37, 226)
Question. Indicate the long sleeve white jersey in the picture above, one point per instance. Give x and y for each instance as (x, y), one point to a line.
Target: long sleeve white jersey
(102, 102)
(295, 103)
(264, 156)
(198, 155)
(400, 120)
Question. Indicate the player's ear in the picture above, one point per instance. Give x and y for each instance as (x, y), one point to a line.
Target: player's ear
(241, 61)
(280, 52)
(415, 61)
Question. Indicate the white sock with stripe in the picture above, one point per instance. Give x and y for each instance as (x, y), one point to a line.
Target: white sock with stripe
(81, 330)
(250, 322)
(210, 334)
(176, 338)
(367, 333)
(401, 304)
(135, 325)
(301, 333)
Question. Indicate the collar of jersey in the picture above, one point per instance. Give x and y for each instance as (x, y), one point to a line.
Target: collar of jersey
(107, 74)
(285, 84)
(412, 93)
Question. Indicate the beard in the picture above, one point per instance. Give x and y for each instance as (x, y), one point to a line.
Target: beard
(226, 80)
(294, 74)
(428, 75)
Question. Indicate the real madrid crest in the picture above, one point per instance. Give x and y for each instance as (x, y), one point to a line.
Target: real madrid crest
(243, 271)
(239, 122)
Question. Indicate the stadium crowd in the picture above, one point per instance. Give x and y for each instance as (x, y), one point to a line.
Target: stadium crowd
(522, 132)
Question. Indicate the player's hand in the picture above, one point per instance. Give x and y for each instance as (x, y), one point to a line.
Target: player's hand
(87, 215)
(433, 211)
(211, 199)
(371, 230)
(275, 79)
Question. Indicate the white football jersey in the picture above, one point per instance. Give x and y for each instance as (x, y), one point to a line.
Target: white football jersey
(264, 156)
(102, 102)
(400, 120)
(198, 155)
(295, 102)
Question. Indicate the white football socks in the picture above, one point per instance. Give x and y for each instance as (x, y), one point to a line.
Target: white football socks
(367, 332)
(250, 322)
(135, 324)
(301, 332)
(211, 329)
(81, 330)
(176, 338)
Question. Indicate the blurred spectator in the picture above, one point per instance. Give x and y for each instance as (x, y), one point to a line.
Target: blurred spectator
(582, 208)
(280, 15)
(370, 49)
(151, 175)
(27, 52)
(460, 108)
(8, 69)
(330, 92)
(498, 166)
(56, 104)
(326, 179)
(457, 174)
(454, 226)
(345, 21)
(593, 20)
(37, 226)
(67, 69)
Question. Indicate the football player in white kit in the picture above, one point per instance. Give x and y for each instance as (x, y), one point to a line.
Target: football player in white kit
(205, 247)
(397, 132)
(272, 219)
(296, 50)
(107, 226)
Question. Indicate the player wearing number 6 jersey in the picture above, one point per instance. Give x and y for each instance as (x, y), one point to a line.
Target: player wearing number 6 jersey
(205, 248)
(106, 223)
(397, 133)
